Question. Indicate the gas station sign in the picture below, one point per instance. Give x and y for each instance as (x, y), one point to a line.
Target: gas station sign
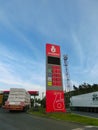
(52, 50)
(54, 86)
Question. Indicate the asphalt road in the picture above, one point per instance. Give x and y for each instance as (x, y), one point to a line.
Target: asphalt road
(24, 121)
(87, 114)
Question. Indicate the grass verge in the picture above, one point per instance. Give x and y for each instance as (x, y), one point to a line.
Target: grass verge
(65, 117)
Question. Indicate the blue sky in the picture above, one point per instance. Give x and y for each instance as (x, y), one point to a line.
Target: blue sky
(27, 25)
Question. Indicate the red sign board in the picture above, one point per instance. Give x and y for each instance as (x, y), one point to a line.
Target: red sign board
(52, 50)
(54, 87)
(55, 101)
(35, 93)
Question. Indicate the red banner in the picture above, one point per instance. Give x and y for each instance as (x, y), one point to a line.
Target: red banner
(55, 101)
(52, 50)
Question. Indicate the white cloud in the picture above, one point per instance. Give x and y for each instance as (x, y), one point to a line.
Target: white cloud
(75, 28)
(4, 52)
(33, 16)
(26, 73)
(21, 84)
(9, 79)
(94, 72)
(78, 49)
(5, 72)
(33, 72)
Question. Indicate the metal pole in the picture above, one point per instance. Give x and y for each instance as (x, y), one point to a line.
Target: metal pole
(67, 85)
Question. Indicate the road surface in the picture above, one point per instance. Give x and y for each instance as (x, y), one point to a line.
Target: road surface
(24, 121)
(87, 114)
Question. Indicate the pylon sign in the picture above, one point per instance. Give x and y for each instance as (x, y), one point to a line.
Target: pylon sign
(54, 86)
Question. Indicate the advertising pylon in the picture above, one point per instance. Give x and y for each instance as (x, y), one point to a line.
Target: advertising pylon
(54, 86)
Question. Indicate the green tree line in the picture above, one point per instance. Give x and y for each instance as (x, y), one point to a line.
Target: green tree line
(84, 88)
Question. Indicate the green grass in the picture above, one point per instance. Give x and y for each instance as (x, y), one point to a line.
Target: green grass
(66, 117)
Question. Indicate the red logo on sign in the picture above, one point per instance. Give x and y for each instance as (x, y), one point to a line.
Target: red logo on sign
(55, 101)
(52, 50)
